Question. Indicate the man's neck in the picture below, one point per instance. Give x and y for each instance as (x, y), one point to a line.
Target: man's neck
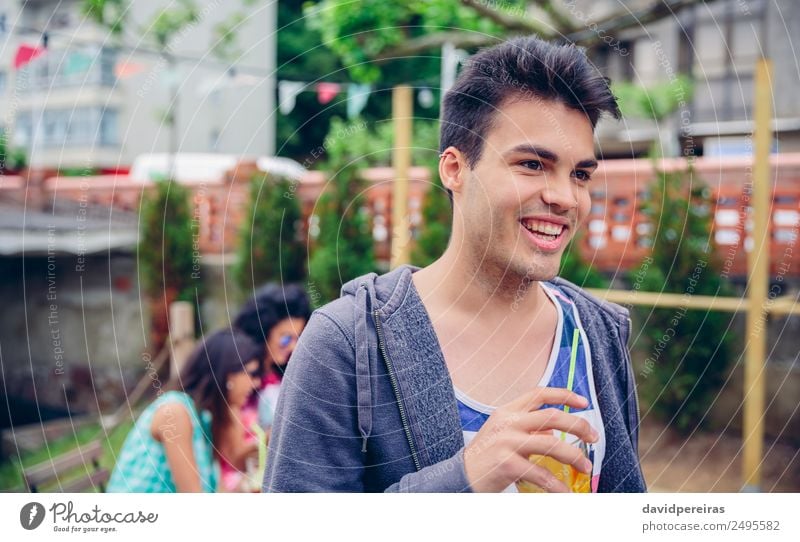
(455, 287)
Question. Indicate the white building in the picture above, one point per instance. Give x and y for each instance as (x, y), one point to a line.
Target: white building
(717, 44)
(90, 101)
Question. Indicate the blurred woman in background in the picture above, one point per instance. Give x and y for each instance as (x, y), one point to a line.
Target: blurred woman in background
(179, 439)
(274, 316)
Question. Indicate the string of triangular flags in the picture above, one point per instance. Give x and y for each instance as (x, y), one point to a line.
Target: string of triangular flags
(357, 93)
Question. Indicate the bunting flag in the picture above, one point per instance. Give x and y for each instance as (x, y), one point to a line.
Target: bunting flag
(26, 53)
(327, 92)
(125, 69)
(287, 95)
(357, 96)
(77, 62)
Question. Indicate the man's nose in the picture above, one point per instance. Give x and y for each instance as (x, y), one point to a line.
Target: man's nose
(559, 192)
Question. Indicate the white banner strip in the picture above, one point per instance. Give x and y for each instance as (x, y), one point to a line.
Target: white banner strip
(188, 518)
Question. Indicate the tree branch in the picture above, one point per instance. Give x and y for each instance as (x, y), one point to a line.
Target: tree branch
(563, 21)
(415, 46)
(588, 36)
(511, 23)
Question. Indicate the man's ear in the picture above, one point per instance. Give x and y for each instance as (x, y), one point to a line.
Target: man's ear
(453, 169)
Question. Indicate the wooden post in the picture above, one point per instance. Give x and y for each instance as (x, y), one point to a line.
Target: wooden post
(181, 334)
(402, 112)
(758, 283)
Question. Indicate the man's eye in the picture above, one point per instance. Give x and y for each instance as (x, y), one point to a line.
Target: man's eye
(583, 175)
(535, 165)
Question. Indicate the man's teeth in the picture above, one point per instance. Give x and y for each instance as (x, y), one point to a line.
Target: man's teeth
(545, 228)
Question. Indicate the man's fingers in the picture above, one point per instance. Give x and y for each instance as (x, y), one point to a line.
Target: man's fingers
(540, 477)
(557, 449)
(537, 397)
(551, 418)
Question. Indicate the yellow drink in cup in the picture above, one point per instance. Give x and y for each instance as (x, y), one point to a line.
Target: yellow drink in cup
(575, 480)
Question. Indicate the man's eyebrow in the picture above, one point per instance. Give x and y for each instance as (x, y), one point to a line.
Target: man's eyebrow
(547, 154)
(541, 152)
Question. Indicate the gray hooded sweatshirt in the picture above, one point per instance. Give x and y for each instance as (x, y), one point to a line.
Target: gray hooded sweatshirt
(367, 403)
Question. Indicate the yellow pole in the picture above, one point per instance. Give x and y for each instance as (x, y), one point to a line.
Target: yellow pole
(757, 283)
(402, 112)
(662, 300)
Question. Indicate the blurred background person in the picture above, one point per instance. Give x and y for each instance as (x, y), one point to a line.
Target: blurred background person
(181, 438)
(274, 316)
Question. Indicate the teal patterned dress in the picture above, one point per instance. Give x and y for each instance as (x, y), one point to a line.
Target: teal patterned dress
(142, 464)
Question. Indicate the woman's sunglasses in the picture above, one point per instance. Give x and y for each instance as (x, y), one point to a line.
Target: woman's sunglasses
(285, 340)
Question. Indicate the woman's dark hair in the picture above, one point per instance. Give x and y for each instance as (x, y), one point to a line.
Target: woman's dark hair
(205, 376)
(521, 68)
(269, 305)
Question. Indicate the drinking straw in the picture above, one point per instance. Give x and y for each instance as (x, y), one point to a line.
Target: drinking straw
(573, 356)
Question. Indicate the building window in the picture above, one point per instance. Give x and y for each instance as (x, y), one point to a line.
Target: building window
(66, 128)
(108, 60)
(74, 67)
(23, 130)
(720, 50)
(108, 128)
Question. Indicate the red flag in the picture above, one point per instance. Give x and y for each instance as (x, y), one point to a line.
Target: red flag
(327, 92)
(26, 53)
(124, 69)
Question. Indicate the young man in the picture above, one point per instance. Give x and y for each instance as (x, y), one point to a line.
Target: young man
(449, 378)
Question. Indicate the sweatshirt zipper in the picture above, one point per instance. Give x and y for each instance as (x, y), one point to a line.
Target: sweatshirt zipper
(396, 389)
(633, 381)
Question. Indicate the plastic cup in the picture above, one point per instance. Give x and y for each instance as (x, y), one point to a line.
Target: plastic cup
(575, 480)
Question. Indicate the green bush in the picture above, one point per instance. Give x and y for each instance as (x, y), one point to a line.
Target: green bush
(11, 159)
(371, 145)
(437, 219)
(271, 247)
(168, 260)
(687, 351)
(344, 248)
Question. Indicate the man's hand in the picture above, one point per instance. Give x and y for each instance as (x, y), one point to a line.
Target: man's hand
(498, 455)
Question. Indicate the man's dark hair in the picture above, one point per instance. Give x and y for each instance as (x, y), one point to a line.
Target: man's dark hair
(270, 304)
(521, 68)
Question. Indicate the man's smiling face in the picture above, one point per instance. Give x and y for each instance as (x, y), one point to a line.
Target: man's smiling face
(524, 199)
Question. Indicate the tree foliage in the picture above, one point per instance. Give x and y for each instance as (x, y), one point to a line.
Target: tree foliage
(437, 212)
(12, 160)
(271, 247)
(368, 34)
(361, 36)
(656, 102)
(344, 247)
(166, 255)
(688, 351)
(437, 218)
